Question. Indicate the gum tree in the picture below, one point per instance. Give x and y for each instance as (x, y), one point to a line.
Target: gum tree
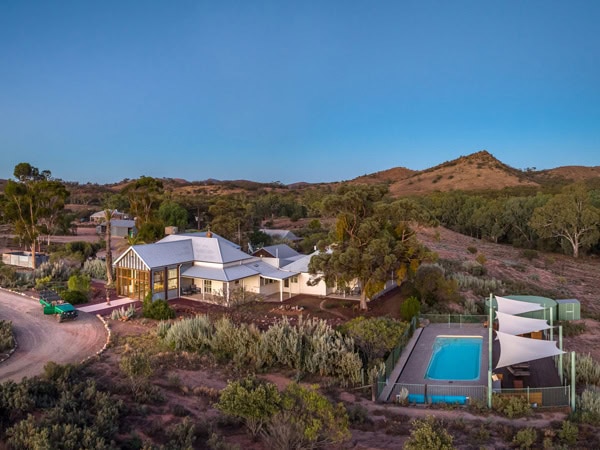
(31, 200)
(569, 216)
(371, 242)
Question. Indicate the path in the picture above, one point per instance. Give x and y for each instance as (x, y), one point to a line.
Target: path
(42, 338)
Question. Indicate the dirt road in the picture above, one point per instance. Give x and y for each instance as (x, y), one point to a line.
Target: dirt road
(41, 338)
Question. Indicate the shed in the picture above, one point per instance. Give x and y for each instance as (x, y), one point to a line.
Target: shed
(569, 309)
(549, 305)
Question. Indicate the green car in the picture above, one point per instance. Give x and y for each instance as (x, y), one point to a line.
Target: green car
(62, 310)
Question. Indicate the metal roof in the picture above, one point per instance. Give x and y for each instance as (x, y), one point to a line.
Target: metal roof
(301, 264)
(282, 251)
(212, 234)
(281, 234)
(219, 274)
(163, 254)
(233, 273)
(209, 249)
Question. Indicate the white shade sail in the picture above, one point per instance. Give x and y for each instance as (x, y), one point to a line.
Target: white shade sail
(509, 306)
(507, 323)
(516, 350)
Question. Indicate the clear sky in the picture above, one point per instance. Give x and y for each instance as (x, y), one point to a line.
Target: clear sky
(295, 91)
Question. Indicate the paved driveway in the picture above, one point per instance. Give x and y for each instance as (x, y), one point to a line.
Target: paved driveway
(41, 338)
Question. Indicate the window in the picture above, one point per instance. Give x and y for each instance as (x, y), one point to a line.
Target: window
(173, 279)
(295, 279)
(208, 286)
(159, 281)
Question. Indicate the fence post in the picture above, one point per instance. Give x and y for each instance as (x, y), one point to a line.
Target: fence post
(573, 396)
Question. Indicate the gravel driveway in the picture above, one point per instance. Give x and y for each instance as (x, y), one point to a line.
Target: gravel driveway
(41, 338)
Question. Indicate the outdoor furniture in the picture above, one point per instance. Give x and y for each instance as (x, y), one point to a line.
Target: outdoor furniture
(517, 372)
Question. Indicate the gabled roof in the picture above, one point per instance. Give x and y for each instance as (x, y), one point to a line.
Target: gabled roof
(281, 234)
(282, 251)
(121, 223)
(301, 264)
(233, 273)
(163, 254)
(213, 235)
(209, 249)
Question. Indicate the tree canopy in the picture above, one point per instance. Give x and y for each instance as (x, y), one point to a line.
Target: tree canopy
(371, 242)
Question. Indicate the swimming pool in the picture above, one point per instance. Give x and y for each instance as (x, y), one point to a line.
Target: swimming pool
(455, 358)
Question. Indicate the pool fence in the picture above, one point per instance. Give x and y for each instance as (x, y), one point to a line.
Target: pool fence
(547, 397)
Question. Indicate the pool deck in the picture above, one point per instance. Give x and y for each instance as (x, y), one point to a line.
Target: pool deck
(416, 366)
(414, 361)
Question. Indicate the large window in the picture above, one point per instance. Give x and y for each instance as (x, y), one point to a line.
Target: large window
(208, 286)
(173, 278)
(133, 283)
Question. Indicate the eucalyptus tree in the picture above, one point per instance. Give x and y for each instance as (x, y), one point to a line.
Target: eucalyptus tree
(31, 201)
(569, 216)
(145, 196)
(371, 242)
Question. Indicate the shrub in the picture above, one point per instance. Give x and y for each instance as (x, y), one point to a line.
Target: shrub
(8, 276)
(306, 419)
(375, 336)
(589, 406)
(138, 368)
(74, 297)
(529, 254)
(569, 433)
(181, 436)
(432, 285)
(512, 407)
(481, 259)
(525, 438)
(94, 268)
(251, 400)
(79, 283)
(7, 340)
(410, 308)
(426, 434)
(157, 309)
(472, 249)
(587, 369)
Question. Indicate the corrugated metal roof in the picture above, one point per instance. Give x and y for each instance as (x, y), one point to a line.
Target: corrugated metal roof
(281, 234)
(210, 249)
(165, 253)
(268, 271)
(282, 251)
(301, 264)
(226, 274)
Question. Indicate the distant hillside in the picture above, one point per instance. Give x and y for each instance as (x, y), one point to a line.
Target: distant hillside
(569, 173)
(478, 171)
(475, 172)
(385, 176)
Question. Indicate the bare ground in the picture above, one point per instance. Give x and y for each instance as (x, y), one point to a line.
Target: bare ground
(42, 339)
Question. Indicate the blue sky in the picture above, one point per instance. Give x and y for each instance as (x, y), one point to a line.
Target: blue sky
(295, 91)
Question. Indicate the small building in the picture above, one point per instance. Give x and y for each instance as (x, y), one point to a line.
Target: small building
(118, 228)
(100, 217)
(568, 309)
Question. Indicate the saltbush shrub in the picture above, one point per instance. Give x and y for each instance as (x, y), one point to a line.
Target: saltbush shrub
(311, 346)
(587, 369)
(588, 406)
(94, 268)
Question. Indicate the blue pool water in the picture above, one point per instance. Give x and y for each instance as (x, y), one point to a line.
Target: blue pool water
(455, 358)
